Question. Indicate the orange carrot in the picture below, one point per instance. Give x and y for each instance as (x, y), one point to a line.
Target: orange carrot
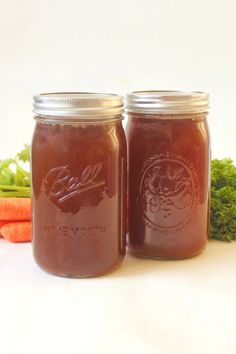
(19, 231)
(15, 209)
(2, 222)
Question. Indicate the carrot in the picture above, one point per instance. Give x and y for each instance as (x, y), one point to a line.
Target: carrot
(18, 231)
(2, 222)
(15, 209)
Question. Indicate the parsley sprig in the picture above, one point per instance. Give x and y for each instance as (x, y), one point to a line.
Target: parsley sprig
(223, 200)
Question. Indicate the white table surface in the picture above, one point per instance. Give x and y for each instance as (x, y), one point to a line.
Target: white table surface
(167, 307)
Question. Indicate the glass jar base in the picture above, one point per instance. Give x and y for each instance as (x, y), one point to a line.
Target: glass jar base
(81, 275)
(140, 254)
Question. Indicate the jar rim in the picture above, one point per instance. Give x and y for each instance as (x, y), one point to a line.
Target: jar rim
(167, 102)
(77, 105)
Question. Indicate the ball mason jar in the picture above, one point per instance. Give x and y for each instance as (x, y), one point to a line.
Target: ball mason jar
(168, 168)
(78, 183)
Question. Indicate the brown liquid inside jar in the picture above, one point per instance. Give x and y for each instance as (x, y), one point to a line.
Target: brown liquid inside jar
(78, 184)
(168, 183)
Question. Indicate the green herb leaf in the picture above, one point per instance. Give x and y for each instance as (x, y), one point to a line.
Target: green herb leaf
(223, 200)
(24, 155)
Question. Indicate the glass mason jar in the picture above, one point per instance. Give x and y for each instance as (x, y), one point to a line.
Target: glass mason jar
(169, 179)
(78, 183)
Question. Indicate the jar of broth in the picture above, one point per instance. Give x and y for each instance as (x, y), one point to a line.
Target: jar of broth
(168, 168)
(78, 183)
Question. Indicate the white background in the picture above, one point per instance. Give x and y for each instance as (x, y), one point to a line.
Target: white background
(146, 307)
(116, 46)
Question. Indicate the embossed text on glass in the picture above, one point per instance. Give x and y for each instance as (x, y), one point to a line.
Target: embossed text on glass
(65, 186)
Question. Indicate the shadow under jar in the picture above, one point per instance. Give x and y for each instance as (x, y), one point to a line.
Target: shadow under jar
(169, 173)
(78, 183)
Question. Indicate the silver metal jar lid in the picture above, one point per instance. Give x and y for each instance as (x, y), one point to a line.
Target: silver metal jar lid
(167, 102)
(76, 104)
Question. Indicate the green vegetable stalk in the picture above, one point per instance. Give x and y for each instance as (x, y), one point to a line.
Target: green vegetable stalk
(223, 200)
(14, 179)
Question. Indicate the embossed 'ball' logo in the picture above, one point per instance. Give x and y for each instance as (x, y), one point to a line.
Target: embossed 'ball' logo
(167, 193)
